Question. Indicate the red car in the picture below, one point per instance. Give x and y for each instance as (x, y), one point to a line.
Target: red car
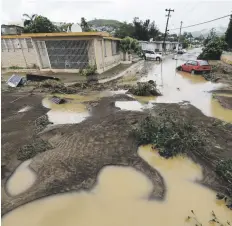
(195, 66)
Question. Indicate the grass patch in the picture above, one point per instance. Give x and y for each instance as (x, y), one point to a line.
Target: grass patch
(145, 89)
(171, 135)
(15, 67)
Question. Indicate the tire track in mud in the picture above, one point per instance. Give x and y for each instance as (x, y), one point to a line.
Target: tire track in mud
(82, 150)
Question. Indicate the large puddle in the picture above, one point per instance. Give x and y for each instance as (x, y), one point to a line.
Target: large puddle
(22, 179)
(121, 198)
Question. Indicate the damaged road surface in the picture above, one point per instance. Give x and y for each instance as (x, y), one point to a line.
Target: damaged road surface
(102, 170)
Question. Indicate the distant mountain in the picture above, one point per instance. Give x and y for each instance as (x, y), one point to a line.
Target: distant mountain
(219, 31)
(102, 22)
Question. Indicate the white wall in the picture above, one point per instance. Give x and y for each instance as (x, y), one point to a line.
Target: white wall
(16, 53)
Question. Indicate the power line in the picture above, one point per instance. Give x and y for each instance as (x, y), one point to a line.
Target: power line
(203, 22)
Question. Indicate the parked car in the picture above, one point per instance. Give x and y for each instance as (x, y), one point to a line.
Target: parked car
(195, 66)
(149, 54)
(181, 51)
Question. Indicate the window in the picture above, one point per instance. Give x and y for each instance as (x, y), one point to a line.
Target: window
(29, 43)
(194, 63)
(115, 47)
(16, 43)
(3, 45)
(203, 63)
(105, 48)
(9, 44)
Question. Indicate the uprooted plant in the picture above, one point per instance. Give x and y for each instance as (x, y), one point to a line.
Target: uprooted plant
(192, 218)
(145, 89)
(224, 170)
(170, 134)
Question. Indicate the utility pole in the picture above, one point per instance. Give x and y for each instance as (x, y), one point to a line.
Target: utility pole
(166, 29)
(179, 35)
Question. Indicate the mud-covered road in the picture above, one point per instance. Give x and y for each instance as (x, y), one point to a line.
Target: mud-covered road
(68, 157)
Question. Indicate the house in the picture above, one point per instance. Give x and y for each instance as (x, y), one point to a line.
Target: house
(61, 52)
(157, 45)
(11, 29)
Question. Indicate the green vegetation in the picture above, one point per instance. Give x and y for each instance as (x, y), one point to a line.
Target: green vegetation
(130, 45)
(224, 170)
(214, 220)
(84, 25)
(15, 67)
(138, 29)
(228, 34)
(90, 70)
(30, 150)
(39, 24)
(103, 22)
(170, 134)
(213, 47)
(145, 89)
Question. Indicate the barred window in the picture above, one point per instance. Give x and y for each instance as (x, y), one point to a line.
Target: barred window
(3, 45)
(9, 44)
(16, 43)
(29, 43)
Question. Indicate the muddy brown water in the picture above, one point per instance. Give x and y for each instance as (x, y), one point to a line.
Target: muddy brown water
(182, 86)
(121, 198)
(22, 179)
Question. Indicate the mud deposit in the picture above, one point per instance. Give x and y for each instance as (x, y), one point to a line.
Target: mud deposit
(82, 150)
(120, 197)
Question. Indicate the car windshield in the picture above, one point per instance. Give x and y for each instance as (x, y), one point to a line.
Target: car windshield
(203, 63)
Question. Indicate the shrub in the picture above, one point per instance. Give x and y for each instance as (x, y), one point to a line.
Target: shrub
(90, 70)
(171, 135)
(213, 49)
(145, 89)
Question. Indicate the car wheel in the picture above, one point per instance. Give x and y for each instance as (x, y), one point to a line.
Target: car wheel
(157, 58)
(192, 72)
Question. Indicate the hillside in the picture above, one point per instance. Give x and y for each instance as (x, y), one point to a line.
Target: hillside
(219, 31)
(104, 22)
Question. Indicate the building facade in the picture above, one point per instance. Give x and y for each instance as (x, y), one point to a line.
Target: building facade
(61, 52)
(156, 46)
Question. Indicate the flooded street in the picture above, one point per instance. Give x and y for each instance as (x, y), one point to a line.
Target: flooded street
(177, 86)
(99, 174)
(120, 198)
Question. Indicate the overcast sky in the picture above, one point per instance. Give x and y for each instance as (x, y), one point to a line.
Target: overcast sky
(190, 12)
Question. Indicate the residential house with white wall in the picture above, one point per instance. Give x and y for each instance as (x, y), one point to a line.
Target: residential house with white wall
(61, 52)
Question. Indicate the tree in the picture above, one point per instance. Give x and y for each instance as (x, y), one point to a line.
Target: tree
(65, 27)
(84, 25)
(212, 34)
(125, 29)
(130, 45)
(29, 19)
(140, 30)
(40, 25)
(228, 34)
(213, 49)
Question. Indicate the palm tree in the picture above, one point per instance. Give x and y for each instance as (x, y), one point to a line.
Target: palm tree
(29, 19)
